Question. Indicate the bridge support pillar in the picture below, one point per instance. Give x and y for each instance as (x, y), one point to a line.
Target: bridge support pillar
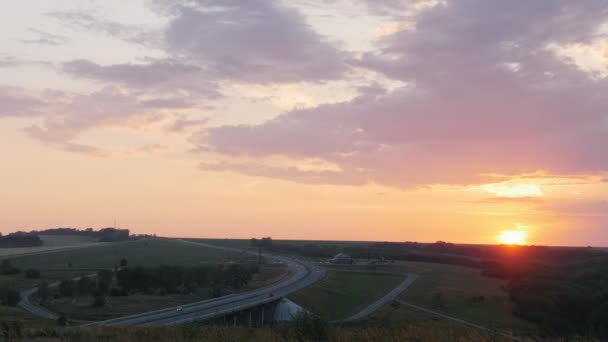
(249, 323)
(262, 316)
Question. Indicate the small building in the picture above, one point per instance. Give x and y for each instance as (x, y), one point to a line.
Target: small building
(341, 258)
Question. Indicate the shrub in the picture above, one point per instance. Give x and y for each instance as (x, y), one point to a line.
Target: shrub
(32, 273)
(309, 327)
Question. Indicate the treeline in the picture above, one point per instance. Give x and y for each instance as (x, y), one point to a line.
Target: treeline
(177, 279)
(410, 251)
(32, 239)
(104, 235)
(20, 239)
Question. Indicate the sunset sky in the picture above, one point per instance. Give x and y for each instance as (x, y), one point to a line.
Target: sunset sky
(307, 119)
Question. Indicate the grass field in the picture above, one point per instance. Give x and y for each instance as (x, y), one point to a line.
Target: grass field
(67, 240)
(50, 243)
(147, 252)
(8, 314)
(342, 294)
(403, 316)
(458, 285)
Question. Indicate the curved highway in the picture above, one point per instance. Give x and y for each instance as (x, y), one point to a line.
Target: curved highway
(301, 275)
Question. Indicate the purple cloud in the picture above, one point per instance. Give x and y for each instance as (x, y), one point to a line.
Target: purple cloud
(484, 95)
(15, 102)
(255, 41)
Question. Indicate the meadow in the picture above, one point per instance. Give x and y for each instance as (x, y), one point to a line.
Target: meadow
(144, 252)
(342, 294)
(51, 243)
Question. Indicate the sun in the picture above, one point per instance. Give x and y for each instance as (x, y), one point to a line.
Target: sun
(512, 237)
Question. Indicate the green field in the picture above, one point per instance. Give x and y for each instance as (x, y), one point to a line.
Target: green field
(147, 252)
(403, 316)
(458, 285)
(342, 294)
(54, 265)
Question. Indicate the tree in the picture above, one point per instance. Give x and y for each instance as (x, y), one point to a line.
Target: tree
(104, 280)
(11, 297)
(123, 262)
(99, 299)
(62, 321)
(32, 273)
(70, 264)
(7, 268)
(83, 285)
(67, 288)
(43, 291)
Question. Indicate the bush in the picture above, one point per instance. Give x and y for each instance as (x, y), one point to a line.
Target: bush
(67, 288)
(84, 286)
(9, 296)
(43, 291)
(62, 321)
(6, 268)
(309, 327)
(99, 300)
(32, 273)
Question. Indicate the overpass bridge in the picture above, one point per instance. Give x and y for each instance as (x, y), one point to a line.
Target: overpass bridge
(252, 304)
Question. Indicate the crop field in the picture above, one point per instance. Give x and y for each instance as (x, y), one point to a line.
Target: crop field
(342, 294)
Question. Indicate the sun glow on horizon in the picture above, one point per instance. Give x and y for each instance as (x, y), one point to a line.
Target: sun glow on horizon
(512, 237)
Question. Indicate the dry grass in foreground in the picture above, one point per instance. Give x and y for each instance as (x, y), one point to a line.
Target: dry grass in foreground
(266, 334)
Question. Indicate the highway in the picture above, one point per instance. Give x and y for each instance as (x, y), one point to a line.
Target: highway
(301, 275)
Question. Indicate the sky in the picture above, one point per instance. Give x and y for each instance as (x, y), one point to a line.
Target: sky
(384, 120)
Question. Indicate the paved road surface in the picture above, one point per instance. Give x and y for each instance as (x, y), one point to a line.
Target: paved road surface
(301, 275)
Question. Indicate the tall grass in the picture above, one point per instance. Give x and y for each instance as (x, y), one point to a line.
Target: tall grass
(237, 334)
